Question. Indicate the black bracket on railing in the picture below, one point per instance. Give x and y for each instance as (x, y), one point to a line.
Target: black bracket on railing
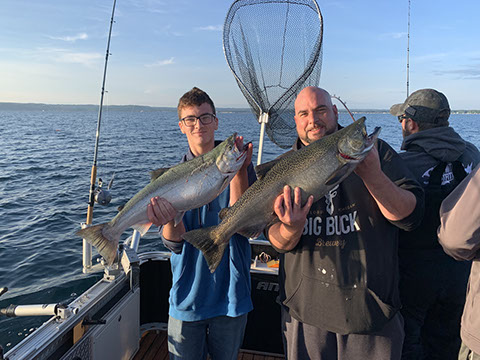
(89, 322)
(3, 290)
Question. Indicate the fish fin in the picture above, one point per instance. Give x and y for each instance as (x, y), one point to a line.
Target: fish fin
(223, 213)
(98, 236)
(178, 218)
(142, 228)
(338, 175)
(226, 181)
(155, 174)
(210, 243)
(262, 169)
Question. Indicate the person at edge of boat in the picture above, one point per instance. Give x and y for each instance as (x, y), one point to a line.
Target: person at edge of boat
(208, 312)
(432, 284)
(338, 268)
(459, 235)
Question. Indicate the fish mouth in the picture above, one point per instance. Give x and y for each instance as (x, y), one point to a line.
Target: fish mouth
(237, 155)
(368, 144)
(243, 151)
(372, 138)
(348, 157)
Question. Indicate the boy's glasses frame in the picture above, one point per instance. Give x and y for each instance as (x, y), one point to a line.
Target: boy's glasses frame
(205, 119)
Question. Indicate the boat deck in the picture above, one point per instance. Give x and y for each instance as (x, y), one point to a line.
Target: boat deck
(153, 346)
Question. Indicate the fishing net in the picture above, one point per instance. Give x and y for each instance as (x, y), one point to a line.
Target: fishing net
(274, 49)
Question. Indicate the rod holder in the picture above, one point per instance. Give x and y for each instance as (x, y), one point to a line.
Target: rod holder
(30, 310)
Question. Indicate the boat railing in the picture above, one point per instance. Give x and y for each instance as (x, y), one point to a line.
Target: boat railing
(133, 242)
(88, 267)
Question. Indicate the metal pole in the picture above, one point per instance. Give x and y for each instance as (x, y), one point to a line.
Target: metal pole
(135, 240)
(408, 51)
(263, 120)
(87, 248)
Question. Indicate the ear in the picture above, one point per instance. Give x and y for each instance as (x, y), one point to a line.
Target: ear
(181, 126)
(216, 122)
(335, 111)
(412, 126)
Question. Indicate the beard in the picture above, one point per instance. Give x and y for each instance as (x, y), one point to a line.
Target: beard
(308, 140)
(406, 133)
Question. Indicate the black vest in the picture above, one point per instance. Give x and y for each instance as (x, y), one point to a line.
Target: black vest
(424, 237)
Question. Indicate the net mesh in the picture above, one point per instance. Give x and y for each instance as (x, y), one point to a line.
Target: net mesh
(274, 49)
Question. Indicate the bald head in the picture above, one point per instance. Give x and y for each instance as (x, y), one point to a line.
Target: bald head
(315, 115)
(311, 92)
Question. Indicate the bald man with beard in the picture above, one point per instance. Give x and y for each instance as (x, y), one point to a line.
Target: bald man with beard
(338, 269)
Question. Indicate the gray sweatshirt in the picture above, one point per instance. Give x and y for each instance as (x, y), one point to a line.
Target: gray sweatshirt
(425, 149)
(459, 234)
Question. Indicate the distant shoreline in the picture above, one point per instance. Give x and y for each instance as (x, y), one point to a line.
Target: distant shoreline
(142, 108)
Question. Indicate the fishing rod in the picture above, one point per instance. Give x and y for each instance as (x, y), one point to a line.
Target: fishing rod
(344, 105)
(408, 50)
(87, 248)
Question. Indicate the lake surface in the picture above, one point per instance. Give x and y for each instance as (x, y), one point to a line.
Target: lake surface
(45, 164)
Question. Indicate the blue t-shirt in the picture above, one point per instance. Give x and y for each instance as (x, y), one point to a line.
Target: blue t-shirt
(196, 293)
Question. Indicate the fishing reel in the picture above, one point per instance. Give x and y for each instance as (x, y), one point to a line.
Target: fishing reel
(103, 196)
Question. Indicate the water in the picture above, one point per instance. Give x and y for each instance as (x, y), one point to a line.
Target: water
(45, 164)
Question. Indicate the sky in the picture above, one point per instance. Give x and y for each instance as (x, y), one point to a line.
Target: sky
(53, 51)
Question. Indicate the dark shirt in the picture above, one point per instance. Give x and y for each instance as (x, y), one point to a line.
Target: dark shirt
(343, 274)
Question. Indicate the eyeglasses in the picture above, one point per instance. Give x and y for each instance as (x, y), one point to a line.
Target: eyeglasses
(205, 119)
(402, 117)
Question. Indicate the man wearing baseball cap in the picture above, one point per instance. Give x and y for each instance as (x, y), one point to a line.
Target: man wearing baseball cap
(424, 106)
(432, 284)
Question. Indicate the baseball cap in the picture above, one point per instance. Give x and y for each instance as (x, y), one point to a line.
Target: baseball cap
(425, 105)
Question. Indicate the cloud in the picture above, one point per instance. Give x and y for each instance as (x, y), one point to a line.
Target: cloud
(468, 72)
(210, 28)
(80, 58)
(167, 30)
(67, 56)
(158, 11)
(162, 63)
(151, 6)
(430, 57)
(393, 35)
(458, 65)
(80, 36)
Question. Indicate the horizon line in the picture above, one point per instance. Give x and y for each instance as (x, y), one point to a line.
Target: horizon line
(174, 107)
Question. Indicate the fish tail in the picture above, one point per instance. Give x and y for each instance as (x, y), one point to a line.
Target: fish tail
(98, 236)
(210, 242)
